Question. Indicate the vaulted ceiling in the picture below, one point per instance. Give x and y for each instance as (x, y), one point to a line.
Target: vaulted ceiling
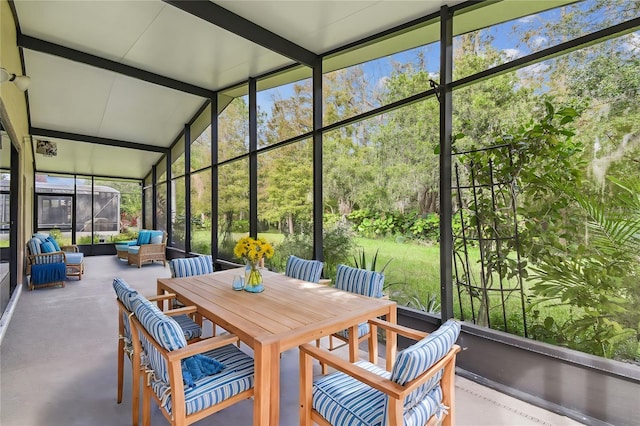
(113, 83)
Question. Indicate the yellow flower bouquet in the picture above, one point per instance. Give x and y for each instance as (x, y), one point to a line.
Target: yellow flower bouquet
(253, 251)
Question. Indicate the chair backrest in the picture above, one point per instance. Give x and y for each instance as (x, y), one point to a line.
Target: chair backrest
(302, 269)
(37, 245)
(164, 330)
(417, 359)
(127, 296)
(360, 281)
(190, 266)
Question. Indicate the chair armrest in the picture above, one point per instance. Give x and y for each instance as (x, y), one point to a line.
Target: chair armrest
(387, 386)
(165, 296)
(396, 328)
(71, 248)
(58, 255)
(185, 310)
(202, 346)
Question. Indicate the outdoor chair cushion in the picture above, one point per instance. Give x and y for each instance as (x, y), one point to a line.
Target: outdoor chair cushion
(366, 404)
(144, 237)
(133, 249)
(123, 245)
(156, 239)
(303, 269)
(74, 258)
(48, 247)
(190, 266)
(360, 281)
(54, 242)
(236, 377)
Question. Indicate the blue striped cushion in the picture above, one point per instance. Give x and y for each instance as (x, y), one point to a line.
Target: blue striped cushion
(190, 329)
(237, 376)
(34, 245)
(190, 266)
(302, 269)
(363, 329)
(164, 330)
(343, 400)
(418, 358)
(126, 295)
(360, 281)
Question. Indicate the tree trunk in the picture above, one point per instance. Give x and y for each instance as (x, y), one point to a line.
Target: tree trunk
(290, 223)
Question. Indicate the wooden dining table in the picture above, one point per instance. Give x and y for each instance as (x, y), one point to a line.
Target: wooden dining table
(288, 313)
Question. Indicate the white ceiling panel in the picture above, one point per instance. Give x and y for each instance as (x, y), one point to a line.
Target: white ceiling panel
(145, 113)
(65, 95)
(93, 159)
(106, 28)
(321, 26)
(189, 49)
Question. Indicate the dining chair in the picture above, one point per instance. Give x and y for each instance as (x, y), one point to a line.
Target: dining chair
(303, 269)
(419, 389)
(190, 382)
(125, 296)
(189, 267)
(363, 282)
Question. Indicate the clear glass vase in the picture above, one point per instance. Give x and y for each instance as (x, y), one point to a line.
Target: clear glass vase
(253, 277)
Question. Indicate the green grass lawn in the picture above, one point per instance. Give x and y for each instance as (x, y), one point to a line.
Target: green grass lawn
(412, 278)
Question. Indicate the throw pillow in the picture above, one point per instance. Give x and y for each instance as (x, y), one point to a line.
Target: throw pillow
(156, 239)
(144, 237)
(48, 247)
(54, 242)
(198, 366)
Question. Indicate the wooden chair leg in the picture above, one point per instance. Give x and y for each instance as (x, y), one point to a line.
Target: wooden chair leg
(120, 368)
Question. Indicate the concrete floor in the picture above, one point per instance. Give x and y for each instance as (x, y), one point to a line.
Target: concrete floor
(58, 363)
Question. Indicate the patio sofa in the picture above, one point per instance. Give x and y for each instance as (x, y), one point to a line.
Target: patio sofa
(149, 247)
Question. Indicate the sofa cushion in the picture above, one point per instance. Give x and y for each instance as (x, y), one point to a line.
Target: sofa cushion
(133, 249)
(48, 247)
(144, 237)
(156, 237)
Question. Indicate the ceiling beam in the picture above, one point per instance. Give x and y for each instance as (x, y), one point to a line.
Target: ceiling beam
(223, 18)
(38, 45)
(75, 137)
